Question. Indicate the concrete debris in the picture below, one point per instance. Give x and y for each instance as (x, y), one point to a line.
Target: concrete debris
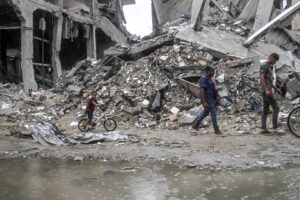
(78, 158)
(272, 24)
(153, 81)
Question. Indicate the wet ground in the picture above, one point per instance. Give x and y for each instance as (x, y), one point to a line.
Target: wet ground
(52, 179)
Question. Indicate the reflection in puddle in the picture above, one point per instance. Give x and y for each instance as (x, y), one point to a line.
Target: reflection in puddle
(44, 179)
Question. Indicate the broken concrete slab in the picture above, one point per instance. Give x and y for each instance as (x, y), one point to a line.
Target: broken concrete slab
(189, 116)
(263, 50)
(272, 24)
(249, 10)
(263, 14)
(133, 110)
(111, 30)
(8, 111)
(237, 63)
(151, 43)
(229, 44)
(168, 11)
(293, 88)
(213, 40)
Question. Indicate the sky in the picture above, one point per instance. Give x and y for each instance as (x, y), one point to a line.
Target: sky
(139, 17)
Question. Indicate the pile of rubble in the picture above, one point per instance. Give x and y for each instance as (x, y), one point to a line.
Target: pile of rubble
(142, 93)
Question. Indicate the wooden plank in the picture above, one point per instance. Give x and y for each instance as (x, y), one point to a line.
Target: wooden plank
(263, 14)
(272, 24)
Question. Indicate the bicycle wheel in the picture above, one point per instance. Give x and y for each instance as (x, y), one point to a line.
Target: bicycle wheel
(110, 124)
(294, 121)
(83, 125)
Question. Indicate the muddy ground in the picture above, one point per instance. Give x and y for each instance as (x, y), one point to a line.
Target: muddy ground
(186, 148)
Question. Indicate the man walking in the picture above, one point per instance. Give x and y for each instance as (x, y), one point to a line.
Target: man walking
(208, 95)
(266, 80)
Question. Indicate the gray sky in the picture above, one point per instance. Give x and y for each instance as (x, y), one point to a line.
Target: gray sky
(138, 17)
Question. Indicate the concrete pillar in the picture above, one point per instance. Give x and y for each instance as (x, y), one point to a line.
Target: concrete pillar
(203, 10)
(91, 49)
(56, 46)
(56, 43)
(27, 53)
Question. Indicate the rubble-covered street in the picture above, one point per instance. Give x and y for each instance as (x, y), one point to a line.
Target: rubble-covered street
(58, 56)
(148, 85)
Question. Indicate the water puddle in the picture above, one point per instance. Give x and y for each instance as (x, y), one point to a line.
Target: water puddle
(88, 180)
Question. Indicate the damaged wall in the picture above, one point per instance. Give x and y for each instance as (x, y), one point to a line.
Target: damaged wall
(43, 53)
(170, 10)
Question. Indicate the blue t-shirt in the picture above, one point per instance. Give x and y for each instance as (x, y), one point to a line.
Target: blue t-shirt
(209, 88)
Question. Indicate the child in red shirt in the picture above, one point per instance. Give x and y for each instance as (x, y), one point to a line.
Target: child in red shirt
(90, 107)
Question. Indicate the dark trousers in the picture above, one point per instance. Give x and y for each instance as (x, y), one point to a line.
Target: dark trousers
(213, 114)
(90, 116)
(267, 102)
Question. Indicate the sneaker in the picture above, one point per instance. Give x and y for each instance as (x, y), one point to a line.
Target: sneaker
(219, 133)
(265, 131)
(195, 128)
(278, 131)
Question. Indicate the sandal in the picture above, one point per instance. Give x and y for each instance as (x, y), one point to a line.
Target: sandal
(265, 132)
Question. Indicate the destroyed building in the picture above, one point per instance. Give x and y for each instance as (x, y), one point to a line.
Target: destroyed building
(79, 46)
(41, 38)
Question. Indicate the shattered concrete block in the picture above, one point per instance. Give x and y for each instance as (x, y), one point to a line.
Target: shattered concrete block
(78, 158)
(174, 110)
(173, 117)
(223, 90)
(145, 103)
(113, 91)
(133, 110)
(8, 111)
(74, 88)
(188, 117)
(293, 87)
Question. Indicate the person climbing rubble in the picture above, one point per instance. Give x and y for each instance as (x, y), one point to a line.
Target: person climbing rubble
(268, 90)
(209, 98)
(90, 107)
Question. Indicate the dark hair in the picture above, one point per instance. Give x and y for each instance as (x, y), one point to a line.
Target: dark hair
(275, 56)
(94, 92)
(208, 69)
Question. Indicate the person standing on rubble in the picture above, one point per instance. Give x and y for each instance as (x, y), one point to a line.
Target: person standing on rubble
(209, 98)
(266, 81)
(90, 107)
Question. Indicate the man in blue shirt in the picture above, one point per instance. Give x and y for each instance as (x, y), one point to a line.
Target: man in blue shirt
(208, 95)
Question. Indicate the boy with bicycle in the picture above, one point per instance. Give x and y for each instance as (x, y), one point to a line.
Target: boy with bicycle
(90, 107)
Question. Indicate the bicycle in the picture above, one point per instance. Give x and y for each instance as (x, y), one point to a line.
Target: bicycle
(108, 123)
(293, 121)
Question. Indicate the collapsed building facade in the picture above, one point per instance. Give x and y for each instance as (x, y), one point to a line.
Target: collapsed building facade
(41, 38)
(157, 87)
